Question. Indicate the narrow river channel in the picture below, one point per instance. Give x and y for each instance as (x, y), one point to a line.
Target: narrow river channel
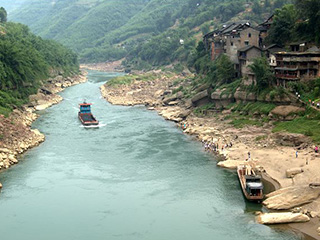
(137, 177)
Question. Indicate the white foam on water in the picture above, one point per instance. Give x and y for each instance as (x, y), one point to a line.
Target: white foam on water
(100, 125)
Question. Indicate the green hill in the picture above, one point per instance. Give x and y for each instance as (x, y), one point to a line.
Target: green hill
(100, 30)
(25, 61)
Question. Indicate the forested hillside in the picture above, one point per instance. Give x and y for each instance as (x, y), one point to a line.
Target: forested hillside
(144, 30)
(25, 61)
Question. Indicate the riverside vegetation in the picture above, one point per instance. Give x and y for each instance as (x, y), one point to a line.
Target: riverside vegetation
(32, 71)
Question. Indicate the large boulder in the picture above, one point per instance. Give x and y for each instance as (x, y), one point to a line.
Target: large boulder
(280, 218)
(199, 96)
(286, 112)
(169, 99)
(290, 173)
(287, 198)
(230, 164)
(291, 139)
(244, 96)
(220, 95)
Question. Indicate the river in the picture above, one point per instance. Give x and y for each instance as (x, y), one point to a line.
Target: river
(137, 177)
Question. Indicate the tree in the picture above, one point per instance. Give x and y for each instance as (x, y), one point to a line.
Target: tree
(264, 75)
(256, 8)
(283, 28)
(205, 28)
(224, 69)
(309, 11)
(3, 15)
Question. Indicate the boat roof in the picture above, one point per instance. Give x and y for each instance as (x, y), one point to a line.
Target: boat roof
(252, 177)
(85, 104)
(255, 185)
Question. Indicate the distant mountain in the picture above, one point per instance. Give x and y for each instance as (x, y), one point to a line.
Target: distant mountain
(100, 30)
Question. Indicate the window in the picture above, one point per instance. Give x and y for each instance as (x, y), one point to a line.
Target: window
(249, 35)
(231, 43)
(246, 43)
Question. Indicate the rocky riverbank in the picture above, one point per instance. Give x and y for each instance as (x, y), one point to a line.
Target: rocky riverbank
(270, 153)
(16, 134)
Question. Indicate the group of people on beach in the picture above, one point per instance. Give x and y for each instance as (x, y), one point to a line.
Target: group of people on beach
(211, 146)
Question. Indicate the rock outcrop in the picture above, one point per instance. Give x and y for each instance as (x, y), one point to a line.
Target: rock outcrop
(287, 112)
(287, 198)
(231, 164)
(290, 173)
(291, 139)
(280, 218)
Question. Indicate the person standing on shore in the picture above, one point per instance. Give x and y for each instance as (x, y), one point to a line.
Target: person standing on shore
(297, 154)
(249, 156)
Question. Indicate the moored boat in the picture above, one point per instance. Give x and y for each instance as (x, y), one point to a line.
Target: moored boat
(85, 115)
(251, 184)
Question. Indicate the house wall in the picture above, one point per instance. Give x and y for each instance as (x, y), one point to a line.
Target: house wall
(244, 63)
(245, 36)
(236, 41)
(232, 45)
(272, 60)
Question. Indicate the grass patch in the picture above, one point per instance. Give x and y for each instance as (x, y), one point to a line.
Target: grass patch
(123, 80)
(263, 108)
(242, 122)
(302, 125)
(177, 90)
(261, 138)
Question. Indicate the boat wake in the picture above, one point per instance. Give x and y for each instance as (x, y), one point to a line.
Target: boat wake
(100, 125)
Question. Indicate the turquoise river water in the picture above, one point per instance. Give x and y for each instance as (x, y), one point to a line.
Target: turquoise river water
(137, 177)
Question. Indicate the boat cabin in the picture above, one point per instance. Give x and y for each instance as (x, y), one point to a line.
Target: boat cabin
(254, 185)
(85, 107)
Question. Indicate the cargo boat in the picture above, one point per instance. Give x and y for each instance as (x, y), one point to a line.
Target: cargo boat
(251, 184)
(85, 115)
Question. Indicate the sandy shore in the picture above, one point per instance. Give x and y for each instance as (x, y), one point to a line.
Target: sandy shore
(267, 151)
(16, 133)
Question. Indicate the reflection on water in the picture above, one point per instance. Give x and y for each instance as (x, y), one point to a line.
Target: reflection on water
(135, 177)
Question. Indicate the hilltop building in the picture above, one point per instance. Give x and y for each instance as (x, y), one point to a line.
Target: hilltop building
(242, 43)
(232, 40)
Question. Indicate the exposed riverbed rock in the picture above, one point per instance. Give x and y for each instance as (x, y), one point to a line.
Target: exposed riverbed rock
(290, 173)
(175, 114)
(231, 164)
(287, 198)
(281, 218)
(287, 112)
(291, 139)
(200, 96)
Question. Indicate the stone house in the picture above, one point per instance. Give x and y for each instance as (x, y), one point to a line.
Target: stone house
(246, 55)
(229, 40)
